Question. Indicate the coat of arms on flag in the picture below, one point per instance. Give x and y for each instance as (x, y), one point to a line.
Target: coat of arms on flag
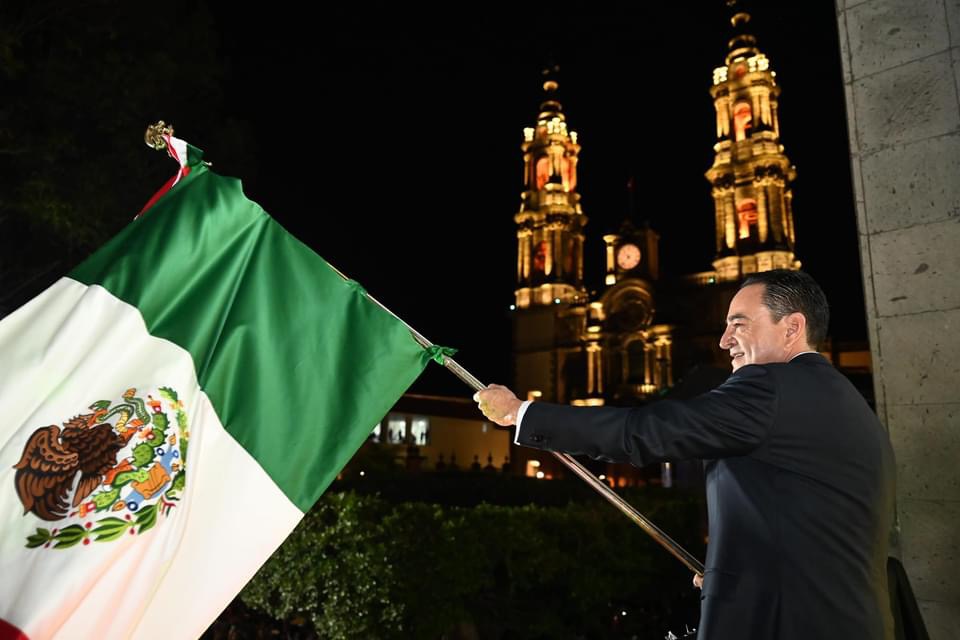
(131, 463)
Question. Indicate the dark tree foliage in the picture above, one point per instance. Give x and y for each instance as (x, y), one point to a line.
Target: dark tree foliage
(360, 567)
(80, 82)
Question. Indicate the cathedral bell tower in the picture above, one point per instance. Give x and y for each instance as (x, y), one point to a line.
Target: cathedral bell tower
(551, 309)
(751, 175)
(550, 222)
(637, 352)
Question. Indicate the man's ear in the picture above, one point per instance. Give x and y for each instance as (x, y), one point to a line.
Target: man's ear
(796, 328)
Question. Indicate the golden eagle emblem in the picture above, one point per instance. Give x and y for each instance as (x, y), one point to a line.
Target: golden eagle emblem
(52, 459)
(126, 459)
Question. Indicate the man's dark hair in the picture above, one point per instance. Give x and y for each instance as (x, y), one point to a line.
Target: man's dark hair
(787, 292)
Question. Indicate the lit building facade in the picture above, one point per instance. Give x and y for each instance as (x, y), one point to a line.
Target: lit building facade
(567, 346)
(751, 175)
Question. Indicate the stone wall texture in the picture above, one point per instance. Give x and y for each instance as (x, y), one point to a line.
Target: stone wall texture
(901, 72)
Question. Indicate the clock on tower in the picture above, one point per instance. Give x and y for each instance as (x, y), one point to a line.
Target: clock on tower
(628, 256)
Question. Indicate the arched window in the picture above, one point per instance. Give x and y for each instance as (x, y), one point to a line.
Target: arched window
(540, 257)
(742, 120)
(543, 171)
(746, 216)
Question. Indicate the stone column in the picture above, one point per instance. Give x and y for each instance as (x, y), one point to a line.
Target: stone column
(760, 189)
(901, 68)
(720, 223)
(730, 210)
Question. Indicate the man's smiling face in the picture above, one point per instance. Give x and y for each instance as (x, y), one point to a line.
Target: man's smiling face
(752, 337)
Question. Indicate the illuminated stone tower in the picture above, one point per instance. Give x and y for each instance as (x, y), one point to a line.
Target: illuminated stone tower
(751, 175)
(551, 358)
(637, 352)
(550, 222)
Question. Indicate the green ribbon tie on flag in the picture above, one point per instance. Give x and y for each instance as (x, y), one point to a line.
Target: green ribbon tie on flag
(438, 353)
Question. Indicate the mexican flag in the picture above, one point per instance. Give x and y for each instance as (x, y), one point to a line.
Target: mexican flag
(171, 408)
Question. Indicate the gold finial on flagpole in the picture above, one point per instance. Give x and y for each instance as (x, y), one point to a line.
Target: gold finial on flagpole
(153, 136)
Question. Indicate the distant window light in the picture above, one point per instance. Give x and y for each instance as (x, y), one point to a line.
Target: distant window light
(533, 468)
(420, 430)
(375, 434)
(396, 429)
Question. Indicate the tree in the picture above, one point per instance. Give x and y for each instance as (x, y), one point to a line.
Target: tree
(80, 83)
(361, 567)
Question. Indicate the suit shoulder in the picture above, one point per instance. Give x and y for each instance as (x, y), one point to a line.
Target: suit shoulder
(750, 371)
(752, 379)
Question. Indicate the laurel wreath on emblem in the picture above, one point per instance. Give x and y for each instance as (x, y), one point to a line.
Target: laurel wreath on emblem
(131, 461)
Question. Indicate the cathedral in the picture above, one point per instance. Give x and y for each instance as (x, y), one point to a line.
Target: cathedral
(629, 343)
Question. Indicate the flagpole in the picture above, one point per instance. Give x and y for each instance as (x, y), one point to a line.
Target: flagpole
(599, 486)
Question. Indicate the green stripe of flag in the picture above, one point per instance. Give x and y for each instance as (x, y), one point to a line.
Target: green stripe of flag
(298, 363)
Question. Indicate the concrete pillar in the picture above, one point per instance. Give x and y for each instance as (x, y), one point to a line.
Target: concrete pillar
(901, 66)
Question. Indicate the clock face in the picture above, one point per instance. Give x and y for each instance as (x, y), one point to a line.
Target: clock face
(628, 256)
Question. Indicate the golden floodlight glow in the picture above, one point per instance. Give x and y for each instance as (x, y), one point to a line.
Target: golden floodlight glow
(528, 134)
(719, 75)
(587, 402)
(556, 125)
(533, 469)
(539, 475)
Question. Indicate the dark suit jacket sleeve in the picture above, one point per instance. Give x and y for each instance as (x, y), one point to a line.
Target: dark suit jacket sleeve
(733, 419)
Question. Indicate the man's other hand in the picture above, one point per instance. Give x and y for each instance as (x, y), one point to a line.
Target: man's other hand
(498, 404)
(698, 581)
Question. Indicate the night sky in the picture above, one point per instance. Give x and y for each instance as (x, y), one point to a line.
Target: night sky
(388, 139)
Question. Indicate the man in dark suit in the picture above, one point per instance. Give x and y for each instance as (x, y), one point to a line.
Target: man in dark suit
(799, 471)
